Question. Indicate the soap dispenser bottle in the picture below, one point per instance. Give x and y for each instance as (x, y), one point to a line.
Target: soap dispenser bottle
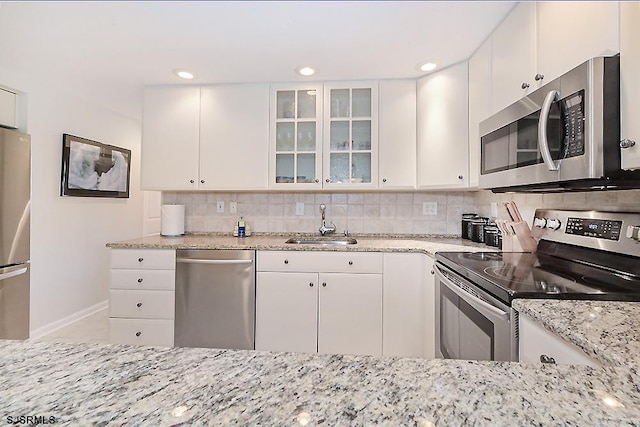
(241, 228)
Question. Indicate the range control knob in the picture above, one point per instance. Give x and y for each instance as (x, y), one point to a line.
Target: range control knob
(633, 232)
(554, 224)
(539, 222)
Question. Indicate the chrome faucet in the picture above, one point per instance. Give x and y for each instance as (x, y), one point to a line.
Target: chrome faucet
(324, 229)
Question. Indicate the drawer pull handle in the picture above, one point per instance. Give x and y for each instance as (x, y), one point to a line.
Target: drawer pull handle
(138, 333)
(547, 359)
(311, 284)
(324, 284)
(139, 305)
(286, 261)
(140, 280)
(350, 262)
(140, 259)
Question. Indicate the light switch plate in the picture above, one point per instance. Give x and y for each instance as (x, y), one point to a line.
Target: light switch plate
(299, 208)
(220, 206)
(233, 207)
(429, 208)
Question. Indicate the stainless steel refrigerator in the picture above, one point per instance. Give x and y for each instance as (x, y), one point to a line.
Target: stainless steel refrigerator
(15, 196)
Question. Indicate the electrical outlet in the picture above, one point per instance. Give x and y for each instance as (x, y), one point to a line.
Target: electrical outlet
(429, 208)
(494, 209)
(299, 208)
(233, 207)
(220, 206)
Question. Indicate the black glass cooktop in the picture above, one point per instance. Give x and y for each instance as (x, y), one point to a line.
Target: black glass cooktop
(509, 275)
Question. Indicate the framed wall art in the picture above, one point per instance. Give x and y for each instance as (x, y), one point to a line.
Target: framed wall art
(94, 169)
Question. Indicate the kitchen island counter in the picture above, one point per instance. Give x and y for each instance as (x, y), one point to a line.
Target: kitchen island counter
(82, 384)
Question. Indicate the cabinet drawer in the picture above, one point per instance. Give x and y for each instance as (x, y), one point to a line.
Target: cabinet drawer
(142, 304)
(164, 259)
(321, 262)
(141, 331)
(143, 279)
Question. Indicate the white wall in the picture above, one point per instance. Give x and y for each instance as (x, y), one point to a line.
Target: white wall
(68, 234)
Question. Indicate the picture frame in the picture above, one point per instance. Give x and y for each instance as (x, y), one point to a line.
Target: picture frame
(94, 169)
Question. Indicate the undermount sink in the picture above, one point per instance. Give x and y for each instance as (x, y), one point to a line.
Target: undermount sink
(322, 241)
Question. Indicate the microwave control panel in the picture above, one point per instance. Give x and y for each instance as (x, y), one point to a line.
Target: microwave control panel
(572, 108)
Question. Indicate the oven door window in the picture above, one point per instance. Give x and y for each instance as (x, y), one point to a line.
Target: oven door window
(464, 332)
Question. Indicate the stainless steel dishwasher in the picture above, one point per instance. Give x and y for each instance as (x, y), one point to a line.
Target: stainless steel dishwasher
(215, 299)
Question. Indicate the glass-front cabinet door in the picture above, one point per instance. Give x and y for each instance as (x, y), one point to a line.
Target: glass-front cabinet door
(350, 157)
(296, 137)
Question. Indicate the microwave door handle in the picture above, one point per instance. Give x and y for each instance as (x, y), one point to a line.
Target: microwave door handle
(471, 299)
(543, 143)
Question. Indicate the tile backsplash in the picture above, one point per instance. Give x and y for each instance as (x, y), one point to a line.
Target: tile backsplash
(367, 212)
(375, 212)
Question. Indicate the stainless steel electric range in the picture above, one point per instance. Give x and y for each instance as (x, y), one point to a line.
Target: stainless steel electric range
(581, 255)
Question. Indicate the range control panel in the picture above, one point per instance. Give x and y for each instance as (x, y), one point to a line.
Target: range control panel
(617, 232)
(599, 228)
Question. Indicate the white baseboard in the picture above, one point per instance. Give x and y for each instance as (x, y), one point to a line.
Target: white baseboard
(66, 321)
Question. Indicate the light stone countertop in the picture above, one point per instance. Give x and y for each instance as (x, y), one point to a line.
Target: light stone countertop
(608, 331)
(88, 384)
(428, 245)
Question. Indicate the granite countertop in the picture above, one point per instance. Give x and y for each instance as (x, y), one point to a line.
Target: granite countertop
(82, 384)
(608, 331)
(424, 244)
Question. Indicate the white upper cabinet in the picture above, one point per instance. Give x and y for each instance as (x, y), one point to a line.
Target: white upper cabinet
(209, 138)
(170, 138)
(630, 83)
(397, 135)
(571, 32)
(234, 137)
(350, 154)
(443, 131)
(295, 156)
(479, 105)
(513, 56)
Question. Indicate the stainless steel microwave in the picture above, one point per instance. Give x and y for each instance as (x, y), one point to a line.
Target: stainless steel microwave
(564, 136)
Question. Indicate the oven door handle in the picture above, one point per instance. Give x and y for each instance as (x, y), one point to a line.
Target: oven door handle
(543, 143)
(470, 298)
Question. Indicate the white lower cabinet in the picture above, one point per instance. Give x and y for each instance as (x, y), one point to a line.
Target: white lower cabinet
(539, 345)
(336, 308)
(142, 296)
(408, 305)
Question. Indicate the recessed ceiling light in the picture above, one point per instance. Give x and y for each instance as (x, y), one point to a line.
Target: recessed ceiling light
(184, 74)
(428, 66)
(305, 70)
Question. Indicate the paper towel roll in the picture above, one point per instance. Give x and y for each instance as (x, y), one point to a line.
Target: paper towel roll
(172, 220)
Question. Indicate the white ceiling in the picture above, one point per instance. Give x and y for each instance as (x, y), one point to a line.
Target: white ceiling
(124, 46)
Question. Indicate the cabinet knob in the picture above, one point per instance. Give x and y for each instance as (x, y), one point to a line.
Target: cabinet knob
(524, 85)
(324, 284)
(547, 359)
(433, 272)
(311, 284)
(460, 177)
(539, 77)
(286, 261)
(191, 181)
(317, 180)
(202, 181)
(327, 180)
(139, 305)
(140, 280)
(350, 262)
(384, 179)
(138, 333)
(140, 259)
(627, 143)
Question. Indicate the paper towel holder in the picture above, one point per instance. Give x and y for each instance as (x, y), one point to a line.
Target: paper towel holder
(172, 220)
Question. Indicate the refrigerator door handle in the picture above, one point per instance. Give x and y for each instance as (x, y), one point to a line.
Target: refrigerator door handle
(12, 271)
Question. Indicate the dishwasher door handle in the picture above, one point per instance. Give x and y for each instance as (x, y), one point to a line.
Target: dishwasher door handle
(214, 261)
